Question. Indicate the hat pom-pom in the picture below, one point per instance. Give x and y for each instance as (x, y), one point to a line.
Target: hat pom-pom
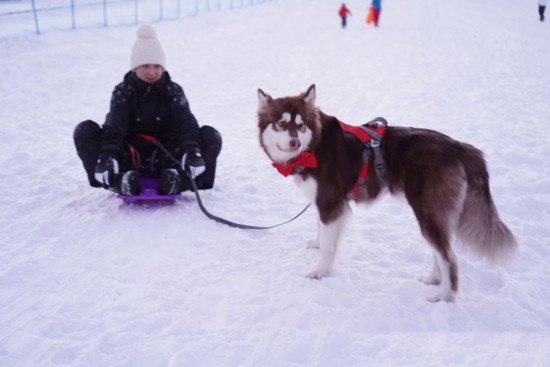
(146, 31)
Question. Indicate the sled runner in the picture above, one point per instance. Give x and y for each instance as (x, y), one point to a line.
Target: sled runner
(148, 193)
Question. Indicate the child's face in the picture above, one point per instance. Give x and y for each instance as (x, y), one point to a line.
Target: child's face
(149, 73)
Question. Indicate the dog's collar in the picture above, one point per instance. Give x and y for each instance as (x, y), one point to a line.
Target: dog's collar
(303, 160)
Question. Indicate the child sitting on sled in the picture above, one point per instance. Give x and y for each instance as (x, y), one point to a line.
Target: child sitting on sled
(149, 131)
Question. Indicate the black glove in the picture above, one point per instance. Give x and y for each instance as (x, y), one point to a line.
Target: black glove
(192, 161)
(105, 169)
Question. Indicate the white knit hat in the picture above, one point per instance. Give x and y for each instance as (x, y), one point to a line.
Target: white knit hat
(147, 48)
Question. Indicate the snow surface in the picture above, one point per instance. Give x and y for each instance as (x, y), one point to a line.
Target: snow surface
(86, 280)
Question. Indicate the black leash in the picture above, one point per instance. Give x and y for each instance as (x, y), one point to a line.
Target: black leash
(199, 201)
(228, 222)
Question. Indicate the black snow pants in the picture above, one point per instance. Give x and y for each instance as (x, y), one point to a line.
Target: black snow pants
(87, 142)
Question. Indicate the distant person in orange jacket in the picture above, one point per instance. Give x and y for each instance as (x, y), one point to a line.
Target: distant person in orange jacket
(343, 13)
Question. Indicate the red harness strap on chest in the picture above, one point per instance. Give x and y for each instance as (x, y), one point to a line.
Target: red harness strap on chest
(366, 134)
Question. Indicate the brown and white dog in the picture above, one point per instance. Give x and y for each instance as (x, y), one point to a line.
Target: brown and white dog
(444, 181)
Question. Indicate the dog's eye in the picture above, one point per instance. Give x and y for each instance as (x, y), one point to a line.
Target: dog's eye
(280, 123)
(300, 122)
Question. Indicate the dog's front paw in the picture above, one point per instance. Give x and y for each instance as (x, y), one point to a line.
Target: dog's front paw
(429, 279)
(443, 296)
(318, 274)
(313, 243)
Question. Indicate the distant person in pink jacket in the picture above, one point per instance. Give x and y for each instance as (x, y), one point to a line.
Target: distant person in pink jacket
(343, 13)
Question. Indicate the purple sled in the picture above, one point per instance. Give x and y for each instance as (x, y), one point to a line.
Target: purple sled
(148, 192)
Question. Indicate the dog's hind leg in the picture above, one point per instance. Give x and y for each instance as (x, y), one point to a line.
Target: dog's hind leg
(444, 260)
(437, 201)
(449, 276)
(434, 228)
(329, 237)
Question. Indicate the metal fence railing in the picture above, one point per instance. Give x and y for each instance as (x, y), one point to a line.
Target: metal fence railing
(20, 17)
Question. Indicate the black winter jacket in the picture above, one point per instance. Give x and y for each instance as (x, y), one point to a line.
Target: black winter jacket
(160, 110)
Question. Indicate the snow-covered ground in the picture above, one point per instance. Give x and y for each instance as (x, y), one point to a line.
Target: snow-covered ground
(86, 280)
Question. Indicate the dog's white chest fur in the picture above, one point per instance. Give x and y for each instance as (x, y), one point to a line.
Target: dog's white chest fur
(307, 186)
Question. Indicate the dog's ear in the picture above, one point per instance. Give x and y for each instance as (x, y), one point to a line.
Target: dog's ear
(263, 97)
(309, 97)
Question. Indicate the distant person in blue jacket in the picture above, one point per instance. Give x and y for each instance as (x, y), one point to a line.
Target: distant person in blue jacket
(377, 8)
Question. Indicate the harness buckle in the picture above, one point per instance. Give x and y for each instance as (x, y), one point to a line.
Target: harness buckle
(374, 143)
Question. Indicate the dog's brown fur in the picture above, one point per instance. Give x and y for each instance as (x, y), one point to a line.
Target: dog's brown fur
(444, 181)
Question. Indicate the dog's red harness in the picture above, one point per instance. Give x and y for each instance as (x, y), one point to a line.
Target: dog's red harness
(370, 134)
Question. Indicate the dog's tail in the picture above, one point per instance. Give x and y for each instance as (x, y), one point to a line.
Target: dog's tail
(480, 227)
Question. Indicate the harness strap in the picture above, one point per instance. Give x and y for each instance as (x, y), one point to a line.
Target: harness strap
(370, 134)
(374, 144)
(378, 161)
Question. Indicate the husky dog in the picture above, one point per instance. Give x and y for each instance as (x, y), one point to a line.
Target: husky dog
(444, 181)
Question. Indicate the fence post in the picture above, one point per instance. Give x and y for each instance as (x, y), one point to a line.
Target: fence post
(105, 13)
(72, 14)
(35, 17)
(136, 11)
